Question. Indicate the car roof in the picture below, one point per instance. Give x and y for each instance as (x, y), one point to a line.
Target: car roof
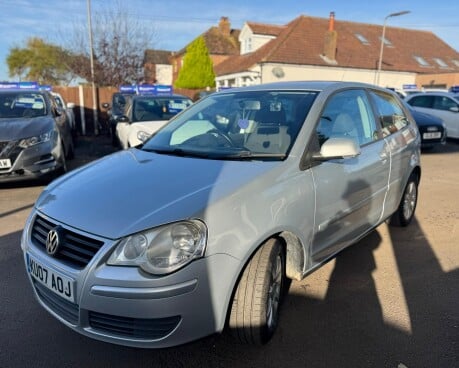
(159, 96)
(306, 85)
(446, 94)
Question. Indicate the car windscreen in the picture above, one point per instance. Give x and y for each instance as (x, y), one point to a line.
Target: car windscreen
(158, 108)
(239, 125)
(22, 105)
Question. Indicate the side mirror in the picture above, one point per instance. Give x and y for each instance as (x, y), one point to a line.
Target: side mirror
(122, 119)
(58, 111)
(70, 105)
(454, 109)
(338, 148)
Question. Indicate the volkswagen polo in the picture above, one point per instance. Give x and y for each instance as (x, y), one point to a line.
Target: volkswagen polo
(199, 228)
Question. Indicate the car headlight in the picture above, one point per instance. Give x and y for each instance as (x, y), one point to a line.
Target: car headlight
(143, 136)
(28, 142)
(164, 249)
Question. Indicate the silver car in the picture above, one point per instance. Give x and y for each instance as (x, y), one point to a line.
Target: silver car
(199, 229)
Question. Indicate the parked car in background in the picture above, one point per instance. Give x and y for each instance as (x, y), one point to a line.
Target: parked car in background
(443, 105)
(68, 108)
(431, 128)
(115, 109)
(145, 114)
(209, 218)
(35, 134)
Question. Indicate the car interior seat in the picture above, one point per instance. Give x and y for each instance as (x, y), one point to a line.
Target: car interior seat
(270, 134)
(344, 127)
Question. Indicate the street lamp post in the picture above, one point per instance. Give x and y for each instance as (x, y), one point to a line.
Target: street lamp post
(382, 41)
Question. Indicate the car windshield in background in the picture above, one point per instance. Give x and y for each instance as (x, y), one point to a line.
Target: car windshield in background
(22, 105)
(158, 108)
(240, 125)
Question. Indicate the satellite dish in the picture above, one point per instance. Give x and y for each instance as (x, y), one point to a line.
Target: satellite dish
(278, 72)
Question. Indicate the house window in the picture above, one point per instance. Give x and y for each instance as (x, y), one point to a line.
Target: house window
(362, 39)
(421, 61)
(441, 62)
(248, 45)
(456, 62)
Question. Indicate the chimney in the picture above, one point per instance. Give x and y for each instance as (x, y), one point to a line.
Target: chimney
(224, 26)
(331, 37)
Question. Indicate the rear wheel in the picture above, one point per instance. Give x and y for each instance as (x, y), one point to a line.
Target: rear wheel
(405, 212)
(255, 308)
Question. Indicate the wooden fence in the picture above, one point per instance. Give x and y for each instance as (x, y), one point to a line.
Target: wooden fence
(81, 96)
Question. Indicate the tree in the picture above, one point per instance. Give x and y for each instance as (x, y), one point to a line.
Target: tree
(197, 71)
(119, 44)
(39, 61)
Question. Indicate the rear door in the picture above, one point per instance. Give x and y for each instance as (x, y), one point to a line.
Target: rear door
(400, 135)
(350, 192)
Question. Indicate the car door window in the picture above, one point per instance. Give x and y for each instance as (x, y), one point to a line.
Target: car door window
(348, 114)
(389, 112)
(444, 103)
(422, 101)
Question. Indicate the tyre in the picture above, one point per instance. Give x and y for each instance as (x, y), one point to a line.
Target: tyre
(254, 312)
(405, 211)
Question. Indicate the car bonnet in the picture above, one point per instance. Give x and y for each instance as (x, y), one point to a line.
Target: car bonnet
(19, 128)
(133, 190)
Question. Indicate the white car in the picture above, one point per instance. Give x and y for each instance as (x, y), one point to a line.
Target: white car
(441, 104)
(145, 114)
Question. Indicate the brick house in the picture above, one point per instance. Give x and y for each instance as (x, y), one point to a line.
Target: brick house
(221, 41)
(311, 48)
(158, 67)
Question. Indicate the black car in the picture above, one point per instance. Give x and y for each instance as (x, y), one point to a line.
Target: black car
(35, 136)
(115, 109)
(432, 128)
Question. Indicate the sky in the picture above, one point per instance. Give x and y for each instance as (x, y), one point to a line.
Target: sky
(176, 23)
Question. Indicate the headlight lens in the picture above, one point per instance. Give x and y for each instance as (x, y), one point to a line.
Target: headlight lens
(143, 136)
(162, 250)
(28, 142)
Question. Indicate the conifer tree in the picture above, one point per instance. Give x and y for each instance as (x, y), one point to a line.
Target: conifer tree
(197, 71)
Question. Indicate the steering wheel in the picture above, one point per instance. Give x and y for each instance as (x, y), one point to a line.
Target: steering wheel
(218, 133)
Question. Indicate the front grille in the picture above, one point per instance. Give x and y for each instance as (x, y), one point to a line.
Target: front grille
(65, 309)
(75, 249)
(139, 328)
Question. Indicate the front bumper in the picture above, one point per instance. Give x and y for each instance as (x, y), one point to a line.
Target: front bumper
(31, 163)
(126, 306)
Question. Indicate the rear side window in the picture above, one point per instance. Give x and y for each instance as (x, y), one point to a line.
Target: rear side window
(444, 103)
(389, 112)
(348, 114)
(422, 101)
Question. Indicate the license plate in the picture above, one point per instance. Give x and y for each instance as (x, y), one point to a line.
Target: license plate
(5, 163)
(54, 281)
(431, 135)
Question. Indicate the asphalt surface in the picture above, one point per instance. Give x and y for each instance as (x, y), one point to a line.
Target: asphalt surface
(390, 300)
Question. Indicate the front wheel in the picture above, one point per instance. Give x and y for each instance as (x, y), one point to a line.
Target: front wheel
(255, 308)
(405, 212)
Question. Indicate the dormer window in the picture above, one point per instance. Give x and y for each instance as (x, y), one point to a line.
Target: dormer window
(421, 61)
(362, 39)
(456, 62)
